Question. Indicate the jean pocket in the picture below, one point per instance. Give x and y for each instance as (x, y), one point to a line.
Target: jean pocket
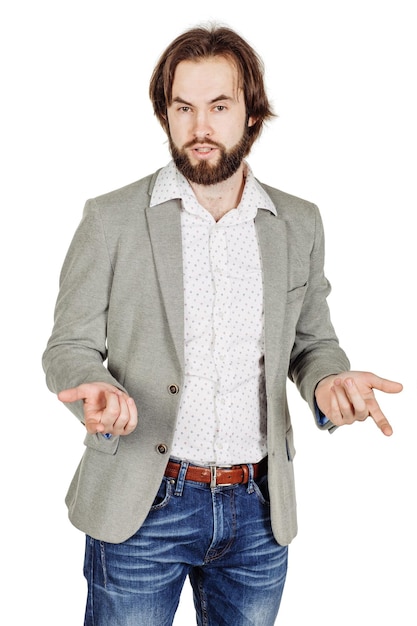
(260, 487)
(163, 496)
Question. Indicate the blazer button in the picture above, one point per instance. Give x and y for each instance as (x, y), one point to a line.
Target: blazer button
(162, 448)
(173, 389)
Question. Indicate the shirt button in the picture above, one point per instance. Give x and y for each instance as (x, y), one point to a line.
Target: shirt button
(162, 448)
(173, 389)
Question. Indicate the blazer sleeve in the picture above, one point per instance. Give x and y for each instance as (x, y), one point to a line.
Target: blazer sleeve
(316, 352)
(76, 350)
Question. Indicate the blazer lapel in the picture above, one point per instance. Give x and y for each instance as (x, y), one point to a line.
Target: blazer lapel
(273, 245)
(165, 233)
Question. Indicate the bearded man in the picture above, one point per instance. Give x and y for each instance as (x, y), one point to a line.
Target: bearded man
(186, 300)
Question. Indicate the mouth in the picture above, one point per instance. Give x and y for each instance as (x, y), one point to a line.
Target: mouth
(203, 152)
(204, 149)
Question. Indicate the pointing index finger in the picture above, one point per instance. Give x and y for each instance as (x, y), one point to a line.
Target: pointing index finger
(380, 419)
(71, 395)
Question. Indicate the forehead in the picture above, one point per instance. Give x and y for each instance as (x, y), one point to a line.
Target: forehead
(211, 77)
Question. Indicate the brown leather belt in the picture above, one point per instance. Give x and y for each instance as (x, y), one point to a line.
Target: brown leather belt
(213, 475)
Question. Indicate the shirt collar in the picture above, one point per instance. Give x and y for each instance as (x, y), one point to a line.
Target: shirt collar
(171, 184)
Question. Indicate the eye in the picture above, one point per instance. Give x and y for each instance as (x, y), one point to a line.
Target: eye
(184, 109)
(220, 107)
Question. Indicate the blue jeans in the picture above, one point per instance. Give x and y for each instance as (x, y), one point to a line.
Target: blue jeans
(220, 537)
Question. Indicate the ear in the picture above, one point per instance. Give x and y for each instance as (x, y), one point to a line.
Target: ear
(252, 120)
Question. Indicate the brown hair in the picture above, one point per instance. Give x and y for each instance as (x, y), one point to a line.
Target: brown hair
(204, 42)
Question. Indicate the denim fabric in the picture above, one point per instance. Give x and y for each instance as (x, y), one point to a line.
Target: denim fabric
(221, 538)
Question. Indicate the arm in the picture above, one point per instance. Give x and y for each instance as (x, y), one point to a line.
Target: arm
(316, 353)
(319, 366)
(76, 350)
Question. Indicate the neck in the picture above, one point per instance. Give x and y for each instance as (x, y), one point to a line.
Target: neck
(222, 197)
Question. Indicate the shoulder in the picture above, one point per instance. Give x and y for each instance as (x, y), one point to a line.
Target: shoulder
(299, 215)
(119, 213)
(136, 195)
(287, 204)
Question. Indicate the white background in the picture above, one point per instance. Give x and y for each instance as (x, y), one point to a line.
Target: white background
(76, 122)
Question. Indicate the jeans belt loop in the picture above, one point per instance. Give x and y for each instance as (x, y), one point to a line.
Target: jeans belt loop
(250, 488)
(179, 487)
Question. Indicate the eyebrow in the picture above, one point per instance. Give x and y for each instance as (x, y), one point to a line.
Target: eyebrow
(220, 98)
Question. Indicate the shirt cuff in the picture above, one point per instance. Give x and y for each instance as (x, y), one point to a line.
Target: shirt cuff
(322, 420)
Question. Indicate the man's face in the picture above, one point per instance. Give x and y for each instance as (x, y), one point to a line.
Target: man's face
(207, 120)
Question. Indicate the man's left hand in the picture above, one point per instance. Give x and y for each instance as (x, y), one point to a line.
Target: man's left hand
(349, 397)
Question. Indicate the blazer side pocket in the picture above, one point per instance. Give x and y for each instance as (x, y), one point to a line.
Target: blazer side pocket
(102, 444)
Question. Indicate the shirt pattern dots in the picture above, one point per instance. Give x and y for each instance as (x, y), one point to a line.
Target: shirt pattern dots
(222, 414)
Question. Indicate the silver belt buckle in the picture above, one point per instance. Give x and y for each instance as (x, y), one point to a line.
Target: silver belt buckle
(213, 479)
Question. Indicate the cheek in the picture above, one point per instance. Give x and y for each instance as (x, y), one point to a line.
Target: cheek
(236, 133)
(178, 133)
(172, 126)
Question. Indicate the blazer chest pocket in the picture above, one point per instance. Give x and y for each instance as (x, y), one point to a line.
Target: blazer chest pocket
(289, 442)
(102, 444)
(296, 294)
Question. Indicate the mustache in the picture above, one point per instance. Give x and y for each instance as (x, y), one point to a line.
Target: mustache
(205, 142)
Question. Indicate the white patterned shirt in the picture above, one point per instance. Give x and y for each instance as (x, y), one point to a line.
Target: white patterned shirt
(222, 413)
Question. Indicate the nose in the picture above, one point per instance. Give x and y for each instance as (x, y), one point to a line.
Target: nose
(202, 126)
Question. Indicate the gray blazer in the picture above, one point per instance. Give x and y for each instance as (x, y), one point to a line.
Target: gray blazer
(119, 319)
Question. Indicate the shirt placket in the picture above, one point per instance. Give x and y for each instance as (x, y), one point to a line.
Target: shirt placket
(221, 330)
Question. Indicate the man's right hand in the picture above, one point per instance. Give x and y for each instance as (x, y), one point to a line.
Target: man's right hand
(107, 409)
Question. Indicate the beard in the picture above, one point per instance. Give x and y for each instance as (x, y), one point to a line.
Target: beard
(204, 173)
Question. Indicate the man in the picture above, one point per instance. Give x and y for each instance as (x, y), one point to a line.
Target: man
(202, 289)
